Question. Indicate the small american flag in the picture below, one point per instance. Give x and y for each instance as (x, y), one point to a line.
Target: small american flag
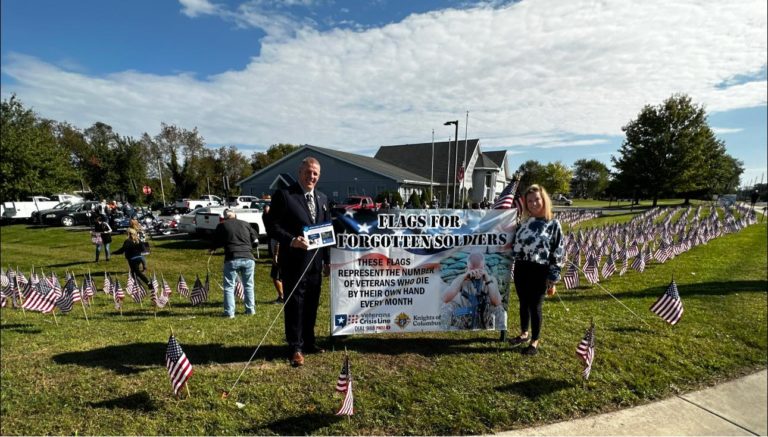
(669, 306)
(165, 295)
(69, 296)
(117, 294)
(107, 285)
(639, 262)
(239, 289)
(88, 287)
(590, 269)
(609, 267)
(179, 367)
(182, 287)
(155, 289)
(586, 350)
(344, 385)
(571, 277)
(199, 293)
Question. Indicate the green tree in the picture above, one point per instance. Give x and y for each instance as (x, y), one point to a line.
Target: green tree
(183, 153)
(415, 200)
(260, 160)
(590, 178)
(532, 173)
(671, 150)
(33, 162)
(556, 177)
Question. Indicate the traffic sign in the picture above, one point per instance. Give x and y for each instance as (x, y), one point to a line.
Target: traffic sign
(147, 190)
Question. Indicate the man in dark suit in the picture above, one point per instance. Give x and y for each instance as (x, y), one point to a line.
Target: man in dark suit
(301, 270)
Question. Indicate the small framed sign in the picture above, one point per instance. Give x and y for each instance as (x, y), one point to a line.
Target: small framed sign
(320, 235)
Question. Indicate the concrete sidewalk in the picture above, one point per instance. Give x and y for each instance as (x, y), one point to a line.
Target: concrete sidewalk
(738, 407)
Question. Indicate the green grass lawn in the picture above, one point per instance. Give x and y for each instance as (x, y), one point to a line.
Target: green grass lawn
(626, 205)
(108, 376)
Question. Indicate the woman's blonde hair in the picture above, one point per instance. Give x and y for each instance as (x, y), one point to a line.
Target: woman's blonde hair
(545, 200)
(133, 235)
(134, 224)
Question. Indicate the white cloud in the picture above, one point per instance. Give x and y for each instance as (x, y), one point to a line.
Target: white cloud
(726, 130)
(193, 8)
(533, 73)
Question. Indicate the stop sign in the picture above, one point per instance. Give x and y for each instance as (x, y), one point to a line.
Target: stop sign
(147, 190)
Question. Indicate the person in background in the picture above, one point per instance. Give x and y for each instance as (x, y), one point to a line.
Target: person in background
(273, 249)
(237, 237)
(103, 228)
(136, 226)
(537, 248)
(132, 249)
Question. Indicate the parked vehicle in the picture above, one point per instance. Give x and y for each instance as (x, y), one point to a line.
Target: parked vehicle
(559, 199)
(242, 201)
(206, 219)
(206, 200)
(260, 204)
(187, 223)
(76, 214)
(23, 210)
(359, 202)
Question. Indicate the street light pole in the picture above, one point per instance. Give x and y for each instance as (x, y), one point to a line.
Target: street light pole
(432, 170)
(456, 159)
(448, 172)
(464, 161)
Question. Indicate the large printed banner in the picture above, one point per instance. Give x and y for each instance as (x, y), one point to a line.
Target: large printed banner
(421, 270)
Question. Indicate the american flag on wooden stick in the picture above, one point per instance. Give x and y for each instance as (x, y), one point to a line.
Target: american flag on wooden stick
(344, 385)
(586, 350)
(182, 287)
(179, 367)
(508, 197)
(669, 306)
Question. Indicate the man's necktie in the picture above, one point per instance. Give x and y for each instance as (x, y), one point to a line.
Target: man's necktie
(311, 206)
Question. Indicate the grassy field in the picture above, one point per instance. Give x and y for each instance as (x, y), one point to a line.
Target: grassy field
(626, 205)
(108, 376)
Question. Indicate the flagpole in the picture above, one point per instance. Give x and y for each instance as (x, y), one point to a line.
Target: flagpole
(464, 161)
(432, 170)
(448, 172)
(82, 297)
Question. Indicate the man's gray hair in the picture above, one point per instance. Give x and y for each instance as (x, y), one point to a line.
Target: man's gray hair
(229, 214)
(309, 160)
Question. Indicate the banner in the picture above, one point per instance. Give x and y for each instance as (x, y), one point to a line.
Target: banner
(421, 270)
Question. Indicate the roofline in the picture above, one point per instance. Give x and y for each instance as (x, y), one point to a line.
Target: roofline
(256, 173)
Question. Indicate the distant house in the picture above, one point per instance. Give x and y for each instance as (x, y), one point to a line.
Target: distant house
(485, 174)
(342, 174)
(406, 168)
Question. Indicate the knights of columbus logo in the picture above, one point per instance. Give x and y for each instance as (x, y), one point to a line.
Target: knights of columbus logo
(402, 320)
(340, 320)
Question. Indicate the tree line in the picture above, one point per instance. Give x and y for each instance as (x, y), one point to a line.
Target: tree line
(42, 156)
(668, 150)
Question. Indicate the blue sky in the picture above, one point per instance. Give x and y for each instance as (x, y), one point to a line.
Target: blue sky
(547, 80)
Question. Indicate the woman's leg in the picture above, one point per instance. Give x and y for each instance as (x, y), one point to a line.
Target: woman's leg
(98, 249)
(106, 250)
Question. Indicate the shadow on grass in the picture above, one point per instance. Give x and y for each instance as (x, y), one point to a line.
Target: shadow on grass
(305, 424)
(135, 402)
(536, 387)
(427, 347)
(21, 328)
(138, 357)
(631, 330)
(69, 264)
(702, 289)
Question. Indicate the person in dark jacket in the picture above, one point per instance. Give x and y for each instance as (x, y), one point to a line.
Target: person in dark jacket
(237, 237)
(105, 231)
(132, 249)
(301, 268)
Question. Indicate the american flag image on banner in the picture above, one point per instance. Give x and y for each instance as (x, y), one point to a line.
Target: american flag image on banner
(669, 306)
(344, 385)
(182, 287)
(179, 367)
(586, 350)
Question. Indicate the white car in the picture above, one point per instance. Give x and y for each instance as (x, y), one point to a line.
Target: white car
(243, 201)
(187, 222)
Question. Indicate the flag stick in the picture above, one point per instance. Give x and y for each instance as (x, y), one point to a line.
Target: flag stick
(54, 316)
(186, 386)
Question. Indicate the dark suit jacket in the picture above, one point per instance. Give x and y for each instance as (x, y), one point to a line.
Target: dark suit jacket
(288, 215)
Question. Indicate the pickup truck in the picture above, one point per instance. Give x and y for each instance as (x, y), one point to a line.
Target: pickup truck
(206, 219)
(358, 202)
(206, 200)
(24, 210)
